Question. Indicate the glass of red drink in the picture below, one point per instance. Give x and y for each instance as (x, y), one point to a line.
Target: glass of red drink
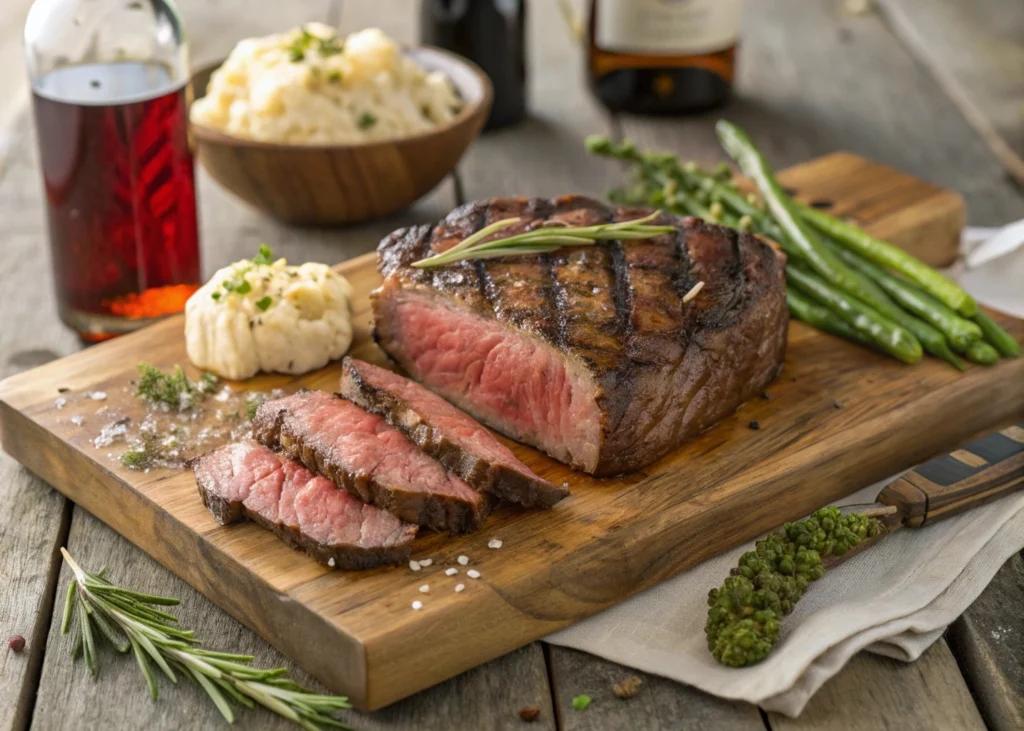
(110, 95)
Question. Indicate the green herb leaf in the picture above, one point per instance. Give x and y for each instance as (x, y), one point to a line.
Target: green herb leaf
(244, 287)
(215, 295)
(225, 677)
(263, 303)
(367, 120)
(334, 77)
(264, 255)
(581, 702)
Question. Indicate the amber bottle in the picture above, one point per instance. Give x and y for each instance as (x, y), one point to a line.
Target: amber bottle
(662, 56)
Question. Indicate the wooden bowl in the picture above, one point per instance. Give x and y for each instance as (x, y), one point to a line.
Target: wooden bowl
(347, 183)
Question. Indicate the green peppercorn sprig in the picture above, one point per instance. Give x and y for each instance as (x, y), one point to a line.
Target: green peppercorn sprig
(745, 612)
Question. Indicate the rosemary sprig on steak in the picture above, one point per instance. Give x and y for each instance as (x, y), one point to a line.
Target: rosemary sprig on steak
(551, 236)
(129, 620)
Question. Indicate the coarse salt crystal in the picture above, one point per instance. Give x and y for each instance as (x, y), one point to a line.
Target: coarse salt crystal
(98, 395)
(60, 403)
(473, 574)
(330, 562)
(425, 589)
(414, 565)
(426, 562)
(459, 587)
(77, 420)
(451, 571)
(417, 604)
(494, 543)
(464, 560)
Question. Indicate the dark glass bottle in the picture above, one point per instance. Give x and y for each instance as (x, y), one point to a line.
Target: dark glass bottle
(490, 33)
(662, 56)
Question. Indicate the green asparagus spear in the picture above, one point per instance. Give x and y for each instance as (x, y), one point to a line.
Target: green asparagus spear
(823, 318)
(996, 336)
(884, 332)
(805, 239)
(981, 352)
(880, 252)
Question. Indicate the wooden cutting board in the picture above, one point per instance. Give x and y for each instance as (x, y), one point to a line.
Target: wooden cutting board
(836, 419)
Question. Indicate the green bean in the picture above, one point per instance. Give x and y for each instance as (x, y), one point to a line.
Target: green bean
(881, 252)
(960, 332)
(996, 336)
(823, 318)
(982, 353)
(826, 264)
(892, 338)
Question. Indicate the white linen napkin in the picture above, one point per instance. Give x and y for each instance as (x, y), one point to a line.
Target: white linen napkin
(895, 599)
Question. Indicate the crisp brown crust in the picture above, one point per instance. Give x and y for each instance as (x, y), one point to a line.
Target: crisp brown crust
(665, 370)
(498, 479)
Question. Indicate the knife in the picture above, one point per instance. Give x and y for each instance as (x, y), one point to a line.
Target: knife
(979, 472)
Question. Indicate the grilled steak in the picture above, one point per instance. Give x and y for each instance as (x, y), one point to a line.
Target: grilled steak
(451, 436)
(245, 479)
(588, 353)
(365, 455)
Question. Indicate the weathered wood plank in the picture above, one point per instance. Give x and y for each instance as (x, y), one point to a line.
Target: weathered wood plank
(813, 80)
(659, 704)
(988, 642)
(874, 692)
(488, 697)
(975, 50)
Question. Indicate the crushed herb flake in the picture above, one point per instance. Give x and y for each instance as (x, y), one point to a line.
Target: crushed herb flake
(581, 702)
(173, 389)
(263, 303)
(367, 120)
(263, 256)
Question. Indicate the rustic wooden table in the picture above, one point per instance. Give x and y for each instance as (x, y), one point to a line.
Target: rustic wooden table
(928, 88)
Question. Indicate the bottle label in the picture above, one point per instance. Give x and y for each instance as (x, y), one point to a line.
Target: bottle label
(667, 27)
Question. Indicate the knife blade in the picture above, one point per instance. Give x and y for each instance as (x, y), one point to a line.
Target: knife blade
(977, 473)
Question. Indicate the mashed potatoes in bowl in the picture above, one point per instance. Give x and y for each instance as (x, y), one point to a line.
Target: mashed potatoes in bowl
(308, 86)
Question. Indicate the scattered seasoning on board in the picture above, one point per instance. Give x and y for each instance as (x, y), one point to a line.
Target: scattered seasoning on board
(459, 587)
(837, 404)
(63, 389)
(77, 420)
(417, 605)
(414, 565)
(330, 562)
(16, 643)
(425, 589)
(765, 395)
(463, 560)
(60, 403)
(473, 574)
(425, 562)
(451, 572)
(581, 702)
(755, 425)
(529, 714)
(494, 543)
(627, 688)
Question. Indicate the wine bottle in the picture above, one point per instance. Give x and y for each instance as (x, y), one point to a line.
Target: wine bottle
(662, 56)
(490, 33)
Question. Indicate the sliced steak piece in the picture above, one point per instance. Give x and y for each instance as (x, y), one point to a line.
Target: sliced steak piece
(587, 353)
(371, 459)
(309, 512)
(449, 435)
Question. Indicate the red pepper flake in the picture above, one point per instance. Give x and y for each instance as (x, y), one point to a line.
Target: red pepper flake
(529, 714)
(16, 643)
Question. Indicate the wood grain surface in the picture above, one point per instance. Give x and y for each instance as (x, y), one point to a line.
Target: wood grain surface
(356, 631)
(844, 81)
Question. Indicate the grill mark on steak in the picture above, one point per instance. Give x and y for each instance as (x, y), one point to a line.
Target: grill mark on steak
(247, 480)
(658, 371)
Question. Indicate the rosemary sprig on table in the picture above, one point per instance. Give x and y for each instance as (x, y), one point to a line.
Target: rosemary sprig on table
(129, 620)
(550, 236)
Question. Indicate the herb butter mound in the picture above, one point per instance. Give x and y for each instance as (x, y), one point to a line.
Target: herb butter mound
(263, 315)
(743, 621)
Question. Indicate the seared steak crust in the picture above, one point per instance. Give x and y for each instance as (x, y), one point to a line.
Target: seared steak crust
(448, 435)
(663, 371)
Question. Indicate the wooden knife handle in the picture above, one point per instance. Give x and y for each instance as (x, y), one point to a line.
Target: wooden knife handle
(978, 473)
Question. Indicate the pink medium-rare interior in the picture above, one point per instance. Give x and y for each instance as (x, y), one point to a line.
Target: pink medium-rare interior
(283, 492)
(365, 444)
(516, 384)
(456, 425)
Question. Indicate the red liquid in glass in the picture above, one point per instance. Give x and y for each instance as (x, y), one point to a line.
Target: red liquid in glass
(120, 193)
